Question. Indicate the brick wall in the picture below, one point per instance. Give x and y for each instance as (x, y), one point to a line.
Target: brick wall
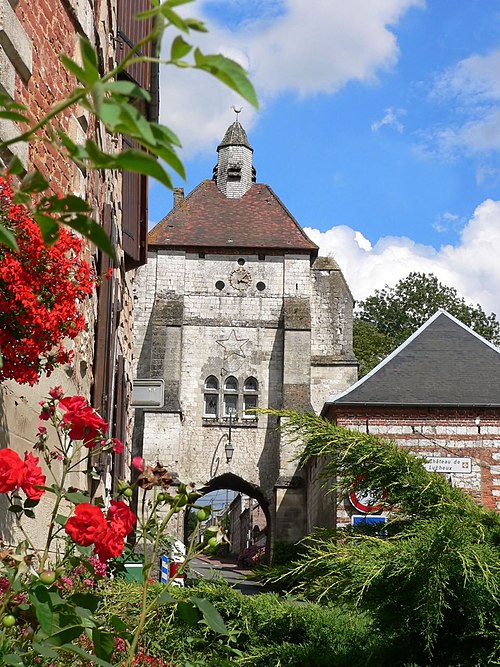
(32, 37)
(438, 432)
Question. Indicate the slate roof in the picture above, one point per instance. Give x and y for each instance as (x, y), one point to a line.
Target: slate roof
(235, 136)
(444, 363)
(206, 218)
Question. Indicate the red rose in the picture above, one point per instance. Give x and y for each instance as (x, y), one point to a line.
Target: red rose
(138, 463)
(87, 523)
(109, 545)
(32, 476)
(117, 446)
(83, 421)
(11, 470)
(121, 518)
(56, 393)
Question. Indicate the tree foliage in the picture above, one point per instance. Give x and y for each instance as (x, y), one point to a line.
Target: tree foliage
(431, 581)
(389, 316)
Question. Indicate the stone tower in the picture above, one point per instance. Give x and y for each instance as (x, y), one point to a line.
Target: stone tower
(235, 310)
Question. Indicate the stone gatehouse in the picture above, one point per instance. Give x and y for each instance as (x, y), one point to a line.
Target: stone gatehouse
(235, 310)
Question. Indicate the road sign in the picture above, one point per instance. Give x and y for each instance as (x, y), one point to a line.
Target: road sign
(449, 464)
(364, 520)
(366, 500)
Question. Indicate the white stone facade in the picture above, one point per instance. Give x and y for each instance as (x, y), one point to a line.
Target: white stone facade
(204, 331)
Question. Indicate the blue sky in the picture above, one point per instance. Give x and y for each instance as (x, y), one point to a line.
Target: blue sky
(379, 129)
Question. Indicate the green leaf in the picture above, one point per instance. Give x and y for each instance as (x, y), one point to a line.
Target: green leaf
(99, 159)
(179, 48)
(98, 97)
(15, 166)
(165, 151)
(212, 617)
(94, 232)
(134, 124)
(12, 659)
(29, 513)
(139, 162)
(86, 600)
(118, 625)
(229, 72)
(16, 509)
(110, 114)
(188, 613)
(15, 116)
(44, 650)
(165, 135)
(67, 634)
(89, 60)
(77, 151)
(196, 25)
(34, 182)
(40, 598)
(173, 17)
(165, 598)
(127, 88)
(73, 68)
(85, 551)
(7, 238)
(68, 204)
(48, 227)
(30, 503)
(87, 656)
(103, 644)
(76, 497)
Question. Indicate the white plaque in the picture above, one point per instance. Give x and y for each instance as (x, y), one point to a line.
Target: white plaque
(450, 464)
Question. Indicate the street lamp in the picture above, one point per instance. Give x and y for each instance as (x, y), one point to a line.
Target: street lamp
(229, 449)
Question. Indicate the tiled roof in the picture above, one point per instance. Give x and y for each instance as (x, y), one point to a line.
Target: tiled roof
(443, 363)
(206, 218)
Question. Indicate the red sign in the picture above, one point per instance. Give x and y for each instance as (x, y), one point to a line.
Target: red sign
(366, 500)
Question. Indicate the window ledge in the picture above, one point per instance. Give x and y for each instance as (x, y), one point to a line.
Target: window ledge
(224, 422)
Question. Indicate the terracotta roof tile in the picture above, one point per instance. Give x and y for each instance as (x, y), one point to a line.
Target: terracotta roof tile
(206, 218)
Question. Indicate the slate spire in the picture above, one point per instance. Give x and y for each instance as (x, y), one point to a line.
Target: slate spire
(234, 173)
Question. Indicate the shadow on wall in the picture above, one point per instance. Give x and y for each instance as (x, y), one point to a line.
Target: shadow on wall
(6, 517)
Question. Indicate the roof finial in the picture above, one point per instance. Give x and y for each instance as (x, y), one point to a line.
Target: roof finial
(237, 112)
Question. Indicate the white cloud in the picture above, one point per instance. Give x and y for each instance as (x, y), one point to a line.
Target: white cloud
(471, 266)
(472, 80)
(446, 221)
(472, 89)
(391, 119)
(306, 49)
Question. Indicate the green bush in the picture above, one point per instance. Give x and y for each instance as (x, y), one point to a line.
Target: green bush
(264, 631)
(285, 552)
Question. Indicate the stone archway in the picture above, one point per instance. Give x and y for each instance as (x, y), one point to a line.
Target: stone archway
(234, 483)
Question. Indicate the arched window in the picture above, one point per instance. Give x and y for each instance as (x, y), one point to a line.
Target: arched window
(230, 396)
(231, 384)
(212, 383)
(211, 398)
(250, 397)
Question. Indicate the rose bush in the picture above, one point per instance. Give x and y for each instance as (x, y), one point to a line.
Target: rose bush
(49, 597)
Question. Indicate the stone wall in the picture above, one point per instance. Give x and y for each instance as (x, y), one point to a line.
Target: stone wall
(193, 321)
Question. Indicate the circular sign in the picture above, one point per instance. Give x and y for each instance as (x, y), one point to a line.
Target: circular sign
(366, 500)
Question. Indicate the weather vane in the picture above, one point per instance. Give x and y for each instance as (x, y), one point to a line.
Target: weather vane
(237, 112)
